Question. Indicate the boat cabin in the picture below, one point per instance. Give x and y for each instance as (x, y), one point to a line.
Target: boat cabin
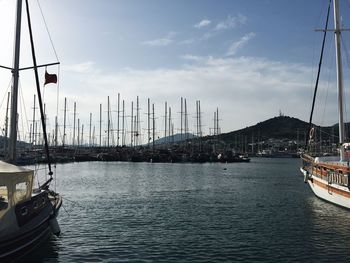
(16, 184)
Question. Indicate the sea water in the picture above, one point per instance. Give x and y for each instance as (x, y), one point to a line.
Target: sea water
(260, 211)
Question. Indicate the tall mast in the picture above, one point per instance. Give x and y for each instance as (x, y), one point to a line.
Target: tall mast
(74, 117)
(108, 121)
(337, 32)
(137, 130)
(78, 139)
(132, 124)
(181, 118)
(14, 91)
(186, 121)
(56, 130)
(64, 122)
(118, 111)
(148, 123)
(123, 128)
(169, 123)
(165, 121)
(100, 124)
(90, 142)
(153, 126)
(6, 122)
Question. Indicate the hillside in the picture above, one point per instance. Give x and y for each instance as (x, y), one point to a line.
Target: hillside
(282, 127)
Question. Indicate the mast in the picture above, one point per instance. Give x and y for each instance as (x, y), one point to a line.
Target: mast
(6, 122)
(78, 139)
(56, 130)
(181, 121)
(33, 122)
(337, 32)
(64, 121)
(165, 121)
(153, 126)
(118, 112)
(90, 142)
(108, 121)
(82, 135)
(132, 124)
(14, 90)
(100, 125)
(169, 123)
(148, 123)
(74, 117)
(137, 130)
(123, 128)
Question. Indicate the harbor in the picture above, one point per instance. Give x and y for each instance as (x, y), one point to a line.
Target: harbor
(236, 212)
(173, 131)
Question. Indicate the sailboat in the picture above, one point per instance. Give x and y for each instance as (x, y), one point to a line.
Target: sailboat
(27, 215)
(328, 176)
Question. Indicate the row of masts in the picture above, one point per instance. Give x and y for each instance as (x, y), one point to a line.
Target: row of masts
(128, 127)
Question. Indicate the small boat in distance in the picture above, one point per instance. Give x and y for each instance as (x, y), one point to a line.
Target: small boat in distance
(27, 215)
(328, 176)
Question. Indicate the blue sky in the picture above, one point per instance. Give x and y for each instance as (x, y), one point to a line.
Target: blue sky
(249, 58)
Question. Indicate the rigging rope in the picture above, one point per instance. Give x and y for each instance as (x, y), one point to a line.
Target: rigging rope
(319, 69)
(47, 29)
(54, 50)
(45, 185)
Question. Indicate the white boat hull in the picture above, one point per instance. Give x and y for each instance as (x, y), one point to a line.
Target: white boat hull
(332, 193)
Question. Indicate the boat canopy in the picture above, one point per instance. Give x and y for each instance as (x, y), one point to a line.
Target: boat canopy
(16, 184)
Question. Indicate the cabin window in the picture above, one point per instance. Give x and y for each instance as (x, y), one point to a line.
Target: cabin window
(3, 197)
(21, 191)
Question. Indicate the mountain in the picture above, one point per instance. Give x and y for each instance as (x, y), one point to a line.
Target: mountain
(281, 127)
(174, 138)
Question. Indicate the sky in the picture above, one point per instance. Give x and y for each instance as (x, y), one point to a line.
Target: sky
(251, 59)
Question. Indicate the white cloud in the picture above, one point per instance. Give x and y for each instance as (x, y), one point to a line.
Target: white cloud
(191, 57)
(187, 41)
(202, 23)
(84, 67)
(242, 84)
(231, 22)
(164, 41)
(235, 46)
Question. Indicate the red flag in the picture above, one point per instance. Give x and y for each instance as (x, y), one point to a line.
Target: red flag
(50, 78)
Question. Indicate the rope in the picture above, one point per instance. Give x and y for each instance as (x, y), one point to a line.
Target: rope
(24, 106)
(54, 50)
(47, 30)
(319, 68)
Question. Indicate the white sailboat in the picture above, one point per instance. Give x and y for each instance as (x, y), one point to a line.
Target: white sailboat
(27, 215)
(328, 177)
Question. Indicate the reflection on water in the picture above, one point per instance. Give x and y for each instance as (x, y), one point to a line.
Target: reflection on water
(258, 211)
(47, 251)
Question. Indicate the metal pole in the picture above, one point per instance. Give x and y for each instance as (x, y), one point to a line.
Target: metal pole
(118, 119)
(14, 92)
(100, 124)
(74, 117)
(123, 122)
(108, 121)
(337, 32)
(153, 126)
(148, 124)
(64, 122)
(90, 129)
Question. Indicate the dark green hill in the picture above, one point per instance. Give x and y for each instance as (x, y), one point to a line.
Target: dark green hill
(282, 127)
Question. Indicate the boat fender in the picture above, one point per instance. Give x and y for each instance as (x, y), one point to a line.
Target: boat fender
(311, 133)
(55, 228)
(306, 176)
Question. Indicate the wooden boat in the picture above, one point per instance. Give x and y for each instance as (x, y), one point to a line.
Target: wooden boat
(27, 215)
(328, 176)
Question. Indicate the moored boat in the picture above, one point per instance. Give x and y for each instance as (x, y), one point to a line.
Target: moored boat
(28, 215)
(328, 176)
